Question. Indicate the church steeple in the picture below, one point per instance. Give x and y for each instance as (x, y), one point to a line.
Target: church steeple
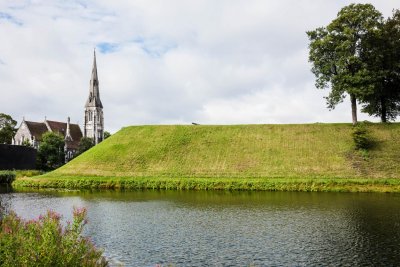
(94, 120)
(94, 93)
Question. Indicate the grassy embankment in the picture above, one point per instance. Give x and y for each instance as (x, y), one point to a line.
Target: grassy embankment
(306, 157)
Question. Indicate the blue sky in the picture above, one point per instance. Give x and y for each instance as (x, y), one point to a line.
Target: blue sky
(166, 61)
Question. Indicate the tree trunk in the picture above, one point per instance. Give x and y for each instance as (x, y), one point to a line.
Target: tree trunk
(383, 111)
(353, 100)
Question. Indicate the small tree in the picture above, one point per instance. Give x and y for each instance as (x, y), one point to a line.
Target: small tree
(361, 137)
(51, 151)
(7, 128)
(106, 135)
(85, 144)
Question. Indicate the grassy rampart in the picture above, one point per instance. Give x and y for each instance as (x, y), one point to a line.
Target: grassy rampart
(305, 157)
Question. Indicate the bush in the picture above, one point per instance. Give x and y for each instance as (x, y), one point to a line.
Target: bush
(45, 242)
(7, 177)
(361, 137)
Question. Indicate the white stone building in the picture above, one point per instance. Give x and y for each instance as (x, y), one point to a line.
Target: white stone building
(31, 132)
(93, 126)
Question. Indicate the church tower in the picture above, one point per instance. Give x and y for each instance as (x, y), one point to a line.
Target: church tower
(94, 121)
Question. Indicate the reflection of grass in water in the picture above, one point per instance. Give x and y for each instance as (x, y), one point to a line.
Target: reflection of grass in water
(313, 152)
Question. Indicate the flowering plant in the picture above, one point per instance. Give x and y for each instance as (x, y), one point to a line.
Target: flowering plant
(45, 242)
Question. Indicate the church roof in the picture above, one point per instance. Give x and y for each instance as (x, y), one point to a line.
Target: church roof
(61, 128)
(37, 129)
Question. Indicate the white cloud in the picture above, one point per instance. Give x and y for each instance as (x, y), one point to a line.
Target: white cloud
(166, 61)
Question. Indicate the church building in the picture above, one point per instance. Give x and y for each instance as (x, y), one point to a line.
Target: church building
(31, 132)
(93, 125)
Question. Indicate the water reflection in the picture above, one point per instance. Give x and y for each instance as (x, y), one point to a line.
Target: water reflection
(142, 228)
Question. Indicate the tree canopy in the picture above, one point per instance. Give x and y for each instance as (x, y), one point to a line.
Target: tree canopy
(382, 58)
(51, 151)
(335, 54)
(85, 144)
(106, 135)
(7, 128)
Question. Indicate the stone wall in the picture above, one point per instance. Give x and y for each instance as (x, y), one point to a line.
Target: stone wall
(17, 157)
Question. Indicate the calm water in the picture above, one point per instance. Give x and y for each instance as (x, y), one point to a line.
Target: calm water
(145, 228)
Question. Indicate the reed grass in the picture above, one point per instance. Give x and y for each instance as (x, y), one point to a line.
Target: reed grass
(233, 184)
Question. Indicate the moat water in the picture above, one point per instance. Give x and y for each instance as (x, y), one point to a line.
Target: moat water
(146, 228)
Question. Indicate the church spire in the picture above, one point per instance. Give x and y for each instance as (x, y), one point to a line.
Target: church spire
(94, 93)
(94, 70)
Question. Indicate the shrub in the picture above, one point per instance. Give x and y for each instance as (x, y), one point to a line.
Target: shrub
(45, 242)
(7, 177)
(361, 137)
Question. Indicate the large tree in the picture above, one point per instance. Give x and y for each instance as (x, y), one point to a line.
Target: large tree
(335, 54)
(51, 151)
(7, 128)
(382, 55)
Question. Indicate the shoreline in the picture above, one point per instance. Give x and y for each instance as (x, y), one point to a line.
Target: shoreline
(356, 185)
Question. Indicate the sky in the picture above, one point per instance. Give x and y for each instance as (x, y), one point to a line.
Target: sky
(167, 61)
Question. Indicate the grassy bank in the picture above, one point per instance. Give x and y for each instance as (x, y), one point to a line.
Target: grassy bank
(259, 184)
(305, 157)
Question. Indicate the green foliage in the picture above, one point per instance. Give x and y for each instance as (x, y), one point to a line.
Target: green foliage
(28, 173)
(51, 151)
(308, 184)
(7, 177)
(85, 144)
(361, 137)
(45, 242)
(7, 128)
(26, 143)
(382, 57)
(106, 135)
(335, 54)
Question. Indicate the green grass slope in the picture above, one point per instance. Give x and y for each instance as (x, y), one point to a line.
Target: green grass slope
(240, 151)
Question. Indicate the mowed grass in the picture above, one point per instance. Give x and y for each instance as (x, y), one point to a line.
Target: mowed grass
(240, 151)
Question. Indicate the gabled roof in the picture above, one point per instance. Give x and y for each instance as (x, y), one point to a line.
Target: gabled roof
(57, 127)
(37, 129)
(61, 128)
